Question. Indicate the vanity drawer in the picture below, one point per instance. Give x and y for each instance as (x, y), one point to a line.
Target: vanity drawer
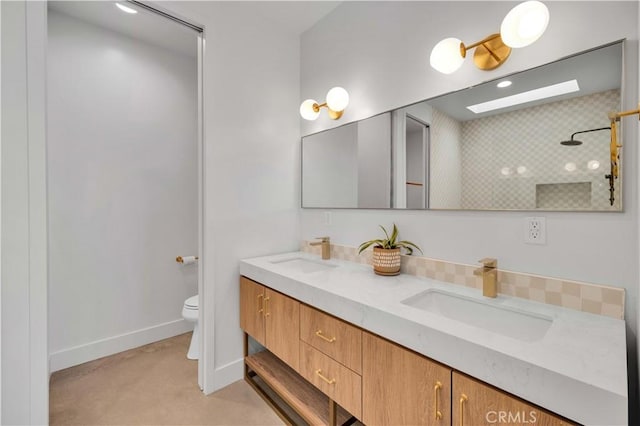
(332, 378)
(331, 336)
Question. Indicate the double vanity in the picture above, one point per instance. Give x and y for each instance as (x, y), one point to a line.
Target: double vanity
(344, 344)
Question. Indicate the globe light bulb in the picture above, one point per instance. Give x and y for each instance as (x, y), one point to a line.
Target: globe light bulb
(445, 56)
(306, 110)
(337, 99)
(524, 24)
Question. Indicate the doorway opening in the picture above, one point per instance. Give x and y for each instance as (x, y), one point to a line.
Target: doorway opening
(125, 178)
(417, 163)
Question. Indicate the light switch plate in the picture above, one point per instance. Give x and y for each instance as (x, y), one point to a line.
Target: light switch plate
(535, 230)
(327, 218)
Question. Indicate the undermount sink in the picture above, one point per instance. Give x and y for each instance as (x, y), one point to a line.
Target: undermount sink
(521, 325)
(304, 265)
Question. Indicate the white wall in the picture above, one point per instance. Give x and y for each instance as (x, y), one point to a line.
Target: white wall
(24, 236)
(369, 55)
(252, 161)
(122, 185)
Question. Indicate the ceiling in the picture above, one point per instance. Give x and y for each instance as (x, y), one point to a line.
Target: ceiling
(292, 17)
(596, 71)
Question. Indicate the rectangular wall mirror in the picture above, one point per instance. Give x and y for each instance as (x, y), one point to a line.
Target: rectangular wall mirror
(540, 143)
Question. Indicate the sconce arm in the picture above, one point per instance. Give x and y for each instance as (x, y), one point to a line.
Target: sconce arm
(484, 40)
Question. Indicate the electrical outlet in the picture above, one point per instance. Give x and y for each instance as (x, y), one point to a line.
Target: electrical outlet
(535, 230)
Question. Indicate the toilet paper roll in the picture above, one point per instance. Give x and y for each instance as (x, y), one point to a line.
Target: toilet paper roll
(187, 260)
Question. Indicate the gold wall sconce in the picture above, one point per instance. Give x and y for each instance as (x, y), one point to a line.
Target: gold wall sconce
(336, 103)
(522, 26)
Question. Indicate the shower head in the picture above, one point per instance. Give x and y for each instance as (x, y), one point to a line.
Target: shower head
(573, 142)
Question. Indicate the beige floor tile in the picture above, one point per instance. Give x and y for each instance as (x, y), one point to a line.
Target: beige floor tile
(152, 385)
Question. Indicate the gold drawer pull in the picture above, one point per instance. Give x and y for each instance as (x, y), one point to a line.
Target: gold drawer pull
(436, 391)
(463, 399)
(325, 338)
(266, 311)
(260, 303)
(329, 381)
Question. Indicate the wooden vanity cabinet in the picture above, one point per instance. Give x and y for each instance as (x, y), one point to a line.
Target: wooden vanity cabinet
(333, 379)
(476, 403)
(272, 319)
(331, 357)
(400, 387)
(338, 339)
(252, 309)
(328, 370)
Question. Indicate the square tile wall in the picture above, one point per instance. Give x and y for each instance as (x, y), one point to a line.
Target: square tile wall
(592, 298)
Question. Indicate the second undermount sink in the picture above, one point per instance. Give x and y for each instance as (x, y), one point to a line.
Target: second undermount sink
(304, 265)
(511, 322)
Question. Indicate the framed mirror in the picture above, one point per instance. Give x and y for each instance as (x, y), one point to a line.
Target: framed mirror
(538, 143)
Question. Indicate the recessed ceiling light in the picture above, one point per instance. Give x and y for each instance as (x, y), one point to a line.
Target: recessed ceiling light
(593, 165)
(528, 96)
(570, 167)
(126, 8)
(504, 83)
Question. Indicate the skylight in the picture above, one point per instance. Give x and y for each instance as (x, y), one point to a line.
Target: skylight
(528, 96)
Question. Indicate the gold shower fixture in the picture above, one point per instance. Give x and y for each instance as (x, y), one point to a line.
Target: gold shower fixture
(522, 26)
(614, 147)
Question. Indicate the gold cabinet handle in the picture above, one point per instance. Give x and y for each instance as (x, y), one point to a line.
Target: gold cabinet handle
(463, 399)
(260, 303)
(436, 391)
(329, 381)
(266, 311)
(325, 338)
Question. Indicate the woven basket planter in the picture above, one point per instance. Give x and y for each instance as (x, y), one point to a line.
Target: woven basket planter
(386, 261)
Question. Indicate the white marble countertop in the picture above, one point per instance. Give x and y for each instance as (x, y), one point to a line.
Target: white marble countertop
(578, 369)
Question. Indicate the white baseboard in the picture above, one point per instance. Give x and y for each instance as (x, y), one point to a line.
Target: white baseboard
(88, 352)
(227, 374)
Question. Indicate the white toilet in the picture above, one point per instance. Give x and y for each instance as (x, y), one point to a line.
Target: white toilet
(190, 313)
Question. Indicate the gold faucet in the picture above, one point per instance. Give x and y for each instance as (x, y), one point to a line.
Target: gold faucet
(326, 247)
(489, 273)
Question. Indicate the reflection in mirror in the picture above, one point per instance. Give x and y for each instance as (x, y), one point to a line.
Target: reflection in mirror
(349, 166)
(539, 143)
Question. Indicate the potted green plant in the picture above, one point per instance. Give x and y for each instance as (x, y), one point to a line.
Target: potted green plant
(386, 252)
